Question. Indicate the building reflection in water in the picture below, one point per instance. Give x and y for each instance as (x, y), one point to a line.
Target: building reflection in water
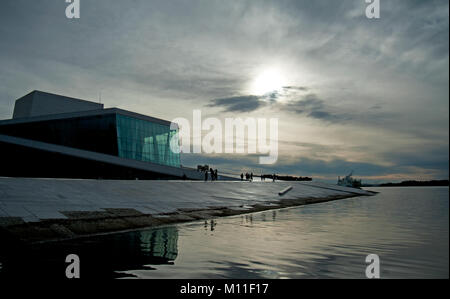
(161, 243)
(107, 256)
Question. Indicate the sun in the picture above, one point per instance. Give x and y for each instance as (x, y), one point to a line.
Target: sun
(268, 81)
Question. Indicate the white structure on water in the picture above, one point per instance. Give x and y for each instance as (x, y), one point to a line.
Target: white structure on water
(349, 181)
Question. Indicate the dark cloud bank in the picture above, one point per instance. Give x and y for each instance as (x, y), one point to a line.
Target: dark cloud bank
(308, 105)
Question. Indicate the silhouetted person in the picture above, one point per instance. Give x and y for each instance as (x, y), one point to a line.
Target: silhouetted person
(274, 177)
(242, 176)
(206, 176)
(251, 176)
(184, 177)
(216, 175)
(212, 174)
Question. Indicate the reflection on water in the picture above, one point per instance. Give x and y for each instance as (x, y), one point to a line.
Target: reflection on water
(406, 227)
(100, 257)
(160, 243)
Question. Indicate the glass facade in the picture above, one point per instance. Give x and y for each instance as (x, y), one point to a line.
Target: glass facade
(95, 133)
(113, 134)
(146, 141)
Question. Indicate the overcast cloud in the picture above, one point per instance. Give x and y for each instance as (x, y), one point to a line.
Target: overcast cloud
(368, 95)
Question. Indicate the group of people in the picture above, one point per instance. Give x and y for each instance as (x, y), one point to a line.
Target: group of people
(263, 177)
(248, 176)
(213, 174)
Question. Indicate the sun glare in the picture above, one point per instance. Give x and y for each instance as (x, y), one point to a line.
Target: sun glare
(266, 82)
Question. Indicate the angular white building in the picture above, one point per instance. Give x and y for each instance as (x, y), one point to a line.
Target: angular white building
(58, 136)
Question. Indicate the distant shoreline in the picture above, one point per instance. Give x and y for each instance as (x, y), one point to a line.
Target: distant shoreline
(433, 183)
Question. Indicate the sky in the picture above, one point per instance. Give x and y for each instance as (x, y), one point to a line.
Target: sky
(350, 93)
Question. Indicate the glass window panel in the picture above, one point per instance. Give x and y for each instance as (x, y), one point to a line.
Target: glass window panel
(146, 141)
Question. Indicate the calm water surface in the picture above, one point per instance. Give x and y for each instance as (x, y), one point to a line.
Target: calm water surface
(408, 228)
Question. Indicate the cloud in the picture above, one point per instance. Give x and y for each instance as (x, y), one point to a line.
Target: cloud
(384, 82)
(249, 103)
(239, 103)
(297, 88)
(312, 106)
(289, 98)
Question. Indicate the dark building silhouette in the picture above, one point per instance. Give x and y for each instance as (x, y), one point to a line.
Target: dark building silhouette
(57, 136)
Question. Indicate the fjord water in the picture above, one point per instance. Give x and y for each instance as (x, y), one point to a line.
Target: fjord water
(408, 228)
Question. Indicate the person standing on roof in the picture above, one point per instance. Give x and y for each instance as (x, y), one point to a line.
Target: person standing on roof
(212, 174)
